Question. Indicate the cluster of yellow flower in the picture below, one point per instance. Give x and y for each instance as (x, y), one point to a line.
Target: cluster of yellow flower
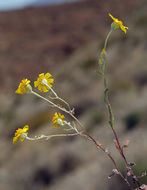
(44, 84)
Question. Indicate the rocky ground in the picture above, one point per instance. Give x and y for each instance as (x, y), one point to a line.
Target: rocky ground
(65, 41)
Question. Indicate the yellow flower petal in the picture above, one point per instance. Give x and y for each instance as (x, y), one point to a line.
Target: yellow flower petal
(15, 139)
(58, 120)
(23, 87)
(104, 51)
(47, 75)
(119, 23)
(44, 87)
(19, 134)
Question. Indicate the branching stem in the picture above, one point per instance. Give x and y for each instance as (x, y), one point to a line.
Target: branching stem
(111, 117)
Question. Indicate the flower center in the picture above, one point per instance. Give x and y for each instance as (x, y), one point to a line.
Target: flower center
(60, 122)
(119, 23)
(23, 135)
(28, 89)
(44, 82)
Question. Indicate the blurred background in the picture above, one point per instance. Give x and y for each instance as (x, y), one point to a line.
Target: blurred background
(65, 39)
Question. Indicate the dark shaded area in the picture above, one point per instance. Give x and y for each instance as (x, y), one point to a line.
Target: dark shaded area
(131, 120)
(89, 63)
(43, 176)
(81, 108)
(142, 79)
(68, 164)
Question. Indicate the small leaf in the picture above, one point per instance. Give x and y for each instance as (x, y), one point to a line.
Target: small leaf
(99, 72)
(105, 95)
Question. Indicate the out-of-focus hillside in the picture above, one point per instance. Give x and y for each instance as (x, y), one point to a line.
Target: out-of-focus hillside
(65, 40)
(35, 40)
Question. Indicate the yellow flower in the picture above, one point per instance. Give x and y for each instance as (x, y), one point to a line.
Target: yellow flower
(24, 87)
(103, 51)
(44, 82)
(119, 24)
(58, 120)
(20, 134)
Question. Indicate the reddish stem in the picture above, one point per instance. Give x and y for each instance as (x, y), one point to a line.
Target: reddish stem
(118, 143)
(111, 158)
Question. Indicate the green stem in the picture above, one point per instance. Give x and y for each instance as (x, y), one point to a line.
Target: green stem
(50, 136)
(56, 106)
(105, 45)
(39, 96)
(111, 116)
(107, 103)
(57, 97)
